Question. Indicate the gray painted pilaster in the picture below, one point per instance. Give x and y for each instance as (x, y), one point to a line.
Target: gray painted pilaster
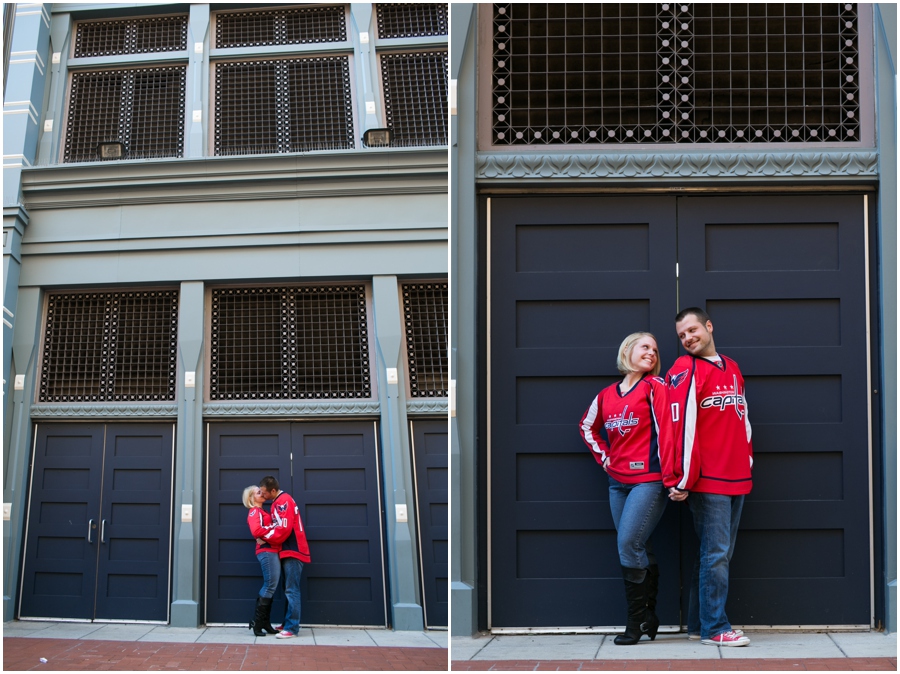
(463, 516)
(366, 67)
(406, 606)
(24, 100)
(60, 29)
(15, 486)
(886, 114)
(14, 223)
(188, 459)
(197, 80)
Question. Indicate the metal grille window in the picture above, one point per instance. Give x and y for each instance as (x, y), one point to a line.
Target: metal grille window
(281, 27)
(110, 346)
(674, 73)
(415, 97)
(143, 108)
(289, 343)
(131, 36)
(289, 105)
(425, 314)
(404, 20)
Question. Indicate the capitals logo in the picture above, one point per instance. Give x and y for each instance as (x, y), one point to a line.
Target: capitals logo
(725, 398)
(676, 379)
(622, 424)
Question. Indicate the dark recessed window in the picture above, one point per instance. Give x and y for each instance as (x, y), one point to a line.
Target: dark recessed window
(425, 316)
(415, 97)
(285, 105)
(674, 73)
(110, 347)
(130, 36)
(305, 25)
(142, 108)
(408, 19)
(289, 343)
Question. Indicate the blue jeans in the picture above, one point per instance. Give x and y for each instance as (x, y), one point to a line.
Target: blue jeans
(271, 571)
(292, 568)
(636, 510)
(716, 519)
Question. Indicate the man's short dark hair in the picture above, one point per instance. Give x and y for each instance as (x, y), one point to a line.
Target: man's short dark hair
(269, 483)
(701, 315)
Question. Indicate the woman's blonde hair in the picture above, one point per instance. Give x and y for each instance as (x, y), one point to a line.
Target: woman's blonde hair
(248, 492)
(623, 360)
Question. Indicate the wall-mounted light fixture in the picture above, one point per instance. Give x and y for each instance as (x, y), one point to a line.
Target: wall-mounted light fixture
(112, 150)
(377, 137)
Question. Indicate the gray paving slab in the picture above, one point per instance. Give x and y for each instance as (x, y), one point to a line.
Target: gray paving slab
(305, 637)
(675, 646)
(439, 637)
(56, 630)
(466, 648)
(130, 632)
(866, 644)
(541, 647)
(228, 635)
(401, 639)
(783, 645)
(328, 636)
(175, 635)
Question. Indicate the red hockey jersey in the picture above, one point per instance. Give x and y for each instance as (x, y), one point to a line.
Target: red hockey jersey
(713, 452)
(624, 432)
(260, 524)
(288, 529)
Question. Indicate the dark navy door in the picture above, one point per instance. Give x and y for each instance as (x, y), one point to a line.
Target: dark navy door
(431, 457)
(569, 279)
(99, 523)
(331, 471)
(784, 280)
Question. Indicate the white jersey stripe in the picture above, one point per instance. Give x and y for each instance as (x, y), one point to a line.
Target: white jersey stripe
(586, 424)
(690, 426)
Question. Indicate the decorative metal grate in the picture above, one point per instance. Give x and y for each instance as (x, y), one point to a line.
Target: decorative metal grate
(674, 73)
(289, 343)
(304, 25)
(415, 97)
(143, 108)
(131, 36)
(110, 347)
(288, 105)
(425, 313)
(408, 19)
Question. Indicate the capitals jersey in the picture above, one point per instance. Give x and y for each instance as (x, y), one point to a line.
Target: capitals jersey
(624, 433)
(713, 451)
(288, 528)
(260, 524)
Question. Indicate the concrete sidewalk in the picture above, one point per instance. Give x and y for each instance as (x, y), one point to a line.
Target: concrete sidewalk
(98, 646)
(309, 636)
(830, 650)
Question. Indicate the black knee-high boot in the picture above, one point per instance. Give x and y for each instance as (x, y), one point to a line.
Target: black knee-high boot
(256, 624)
(650, 626)
(636, 596)
(266, 607)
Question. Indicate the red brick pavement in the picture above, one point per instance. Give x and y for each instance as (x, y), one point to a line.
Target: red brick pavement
(21, 654)
(730, 664)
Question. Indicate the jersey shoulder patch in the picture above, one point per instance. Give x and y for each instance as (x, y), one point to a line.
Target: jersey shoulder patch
(675, 380)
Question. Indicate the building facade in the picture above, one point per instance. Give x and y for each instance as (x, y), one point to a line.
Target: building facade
(225, 256)
(612, 164)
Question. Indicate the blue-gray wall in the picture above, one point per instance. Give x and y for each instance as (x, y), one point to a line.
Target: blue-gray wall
(473, 167)
(372, 215)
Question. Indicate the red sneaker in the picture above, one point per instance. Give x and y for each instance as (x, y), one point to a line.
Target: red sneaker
(730, 638)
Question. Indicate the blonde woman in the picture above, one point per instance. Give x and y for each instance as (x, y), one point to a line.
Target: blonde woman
(260, 523)
(628, 431)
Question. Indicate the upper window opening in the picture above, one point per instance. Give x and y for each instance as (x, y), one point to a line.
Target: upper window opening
(131, 36)
(304, 25)
(674, 73)
(406, 20)
(415, 97)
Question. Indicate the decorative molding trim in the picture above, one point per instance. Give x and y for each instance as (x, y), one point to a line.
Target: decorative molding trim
(427, 406)
(117, 410)
(856, 164)
(303, 408)
(338, 173)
